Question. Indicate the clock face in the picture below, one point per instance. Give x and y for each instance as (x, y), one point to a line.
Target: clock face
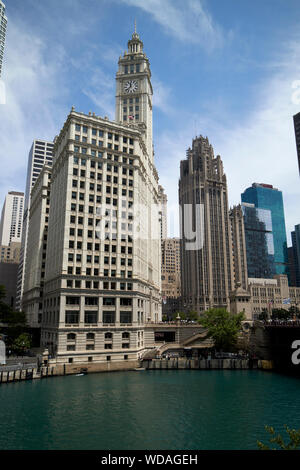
(131, 86)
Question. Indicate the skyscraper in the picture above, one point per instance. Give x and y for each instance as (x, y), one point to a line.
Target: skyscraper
(297, 135)
(103, 257)
(41, 153)
(3, 23)
(163, 213)
(12, 218)
(294, 257)
(239, 254)
(259, 241)
(206, 256)
(264, 196)
(36, 248)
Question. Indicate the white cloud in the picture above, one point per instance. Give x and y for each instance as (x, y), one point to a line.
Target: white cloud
(33, 86)
(259, 148)
(186, 20)
(100, 90)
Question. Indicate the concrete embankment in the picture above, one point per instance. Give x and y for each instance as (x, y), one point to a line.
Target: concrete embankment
(206, 364)
(154, 364)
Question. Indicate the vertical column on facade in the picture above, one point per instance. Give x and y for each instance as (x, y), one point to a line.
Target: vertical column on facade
(81, 311)
(62, 310)
(100, 309)
(117, 314)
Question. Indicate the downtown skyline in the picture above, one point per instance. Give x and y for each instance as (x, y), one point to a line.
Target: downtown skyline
(225, 72)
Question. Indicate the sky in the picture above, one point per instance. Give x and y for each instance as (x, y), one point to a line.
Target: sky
(225, 69)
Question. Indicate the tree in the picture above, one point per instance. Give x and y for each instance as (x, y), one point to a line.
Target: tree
(280, 314)
(12, 323)
(22, 343)
(263, 315)
(293, 444)
(223, 327)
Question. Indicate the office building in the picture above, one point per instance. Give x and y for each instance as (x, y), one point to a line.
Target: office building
(259, 241)
(12, 218)
(264, 196)
(170, 268)
(163, 213)
(297, 136)
(294, 258)
(3, 24)
(102, 279)
(206, 250)
(41, 153)
(34, 274)
(239, 254)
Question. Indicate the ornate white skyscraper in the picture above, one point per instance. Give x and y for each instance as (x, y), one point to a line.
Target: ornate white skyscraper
(102, 263)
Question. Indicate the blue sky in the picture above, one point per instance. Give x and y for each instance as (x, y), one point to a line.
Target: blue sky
(226, 69)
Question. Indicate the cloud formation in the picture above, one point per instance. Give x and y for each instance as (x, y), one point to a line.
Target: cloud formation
(260, 147)
(187, 21)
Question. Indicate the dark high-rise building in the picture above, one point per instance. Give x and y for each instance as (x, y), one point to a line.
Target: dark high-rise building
(264, 196)
(206, 256)
(294, 258)
(259, 241)
(297, 135)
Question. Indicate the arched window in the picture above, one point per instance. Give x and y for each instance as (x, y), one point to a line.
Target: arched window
(108, 335)
(71, 337)
(90, 336)
(125, 335)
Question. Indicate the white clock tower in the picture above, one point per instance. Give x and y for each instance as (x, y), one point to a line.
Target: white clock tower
(134, 91)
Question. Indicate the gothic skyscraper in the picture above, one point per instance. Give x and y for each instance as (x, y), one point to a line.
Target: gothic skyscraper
(206, 255)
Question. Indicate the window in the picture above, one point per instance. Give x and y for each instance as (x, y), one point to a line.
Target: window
(71, 337)
(108, 317)
(71, 317)
(125, 317)
(125, 301)
(72, 300)
(109, 301)
(108, 336)
(90, 317)
(91, 301)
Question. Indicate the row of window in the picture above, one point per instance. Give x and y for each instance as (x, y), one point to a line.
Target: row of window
(91, 336)
(100, 133)
(78, 284)
(108, 317)
(109, 156)
(75, 300)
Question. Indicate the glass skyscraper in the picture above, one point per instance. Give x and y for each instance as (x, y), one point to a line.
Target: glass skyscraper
(259, 241)
(264, 196)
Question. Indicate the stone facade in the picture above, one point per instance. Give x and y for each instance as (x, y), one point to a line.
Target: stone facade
(102, 279)
(206, 262)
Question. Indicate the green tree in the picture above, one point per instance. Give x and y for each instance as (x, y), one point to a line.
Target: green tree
(192, 315)
(22, 343)
(263, 315)
(293, 444)
(223, 327)
(12, 323)
(280, 314)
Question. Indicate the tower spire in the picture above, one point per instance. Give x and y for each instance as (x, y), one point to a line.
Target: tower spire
(134, 25)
